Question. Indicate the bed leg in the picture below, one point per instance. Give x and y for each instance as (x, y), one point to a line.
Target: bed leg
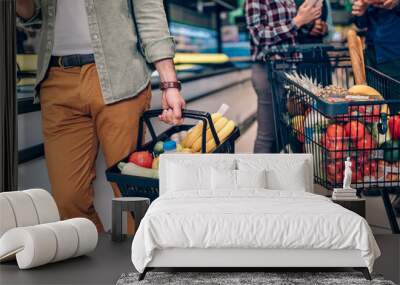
(365, 272)
(142, 275)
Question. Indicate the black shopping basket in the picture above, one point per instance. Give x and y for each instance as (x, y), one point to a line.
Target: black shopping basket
(149, 187)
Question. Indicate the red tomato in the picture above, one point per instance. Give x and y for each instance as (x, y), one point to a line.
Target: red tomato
(373, 166)
(338, 150)
(335, 132)
(354, 129)
(394, 126)
(357, 176)
(334, 167)
(142, 158)
(366, 170)
(366, 143)
(335, 179)
(370, 168)
(363, 157)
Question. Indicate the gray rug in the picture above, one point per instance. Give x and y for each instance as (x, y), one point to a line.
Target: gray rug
(243, 278)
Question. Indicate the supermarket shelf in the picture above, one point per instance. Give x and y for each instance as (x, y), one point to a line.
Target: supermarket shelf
(26, 105)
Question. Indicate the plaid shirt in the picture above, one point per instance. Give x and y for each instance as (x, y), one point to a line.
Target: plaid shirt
(270, 23)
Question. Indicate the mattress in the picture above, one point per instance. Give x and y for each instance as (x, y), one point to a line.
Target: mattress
(250, 219)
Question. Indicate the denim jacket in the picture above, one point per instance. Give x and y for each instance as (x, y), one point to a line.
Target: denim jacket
(128, 36)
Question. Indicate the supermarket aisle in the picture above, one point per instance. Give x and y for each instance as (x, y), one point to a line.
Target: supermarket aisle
(245, 143)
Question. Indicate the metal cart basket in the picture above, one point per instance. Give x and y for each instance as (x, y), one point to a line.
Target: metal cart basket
(149, 187)
(315, 114)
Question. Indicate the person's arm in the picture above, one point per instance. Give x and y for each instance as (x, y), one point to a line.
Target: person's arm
(272, 32)
(388, 4)
(159, 49)
(359, 11)
(171, 101)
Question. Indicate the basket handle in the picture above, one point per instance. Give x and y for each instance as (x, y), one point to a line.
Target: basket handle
(205, 117)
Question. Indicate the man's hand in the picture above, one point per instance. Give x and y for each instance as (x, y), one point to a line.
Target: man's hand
(388, 4)
(320, 28)
(171, 101)
(359, 8)
(306, 14)
(25, 8)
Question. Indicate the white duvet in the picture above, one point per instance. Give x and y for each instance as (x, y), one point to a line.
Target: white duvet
(250, 219)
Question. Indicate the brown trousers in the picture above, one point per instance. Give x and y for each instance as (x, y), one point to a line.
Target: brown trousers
(75, 121)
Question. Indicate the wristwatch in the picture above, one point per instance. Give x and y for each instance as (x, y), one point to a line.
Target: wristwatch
(170, 84)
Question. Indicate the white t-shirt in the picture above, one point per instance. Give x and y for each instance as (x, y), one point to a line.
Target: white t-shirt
(71, 31)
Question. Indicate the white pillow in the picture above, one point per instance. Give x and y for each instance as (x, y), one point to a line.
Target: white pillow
(251, 178)
(223, 179)
(185, 176)
(290, 179)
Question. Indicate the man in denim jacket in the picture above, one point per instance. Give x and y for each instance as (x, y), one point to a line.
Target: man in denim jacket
(93, 81)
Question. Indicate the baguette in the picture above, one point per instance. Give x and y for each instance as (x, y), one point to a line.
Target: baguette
(356, 55)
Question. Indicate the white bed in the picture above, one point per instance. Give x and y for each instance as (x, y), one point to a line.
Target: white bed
(248, 227)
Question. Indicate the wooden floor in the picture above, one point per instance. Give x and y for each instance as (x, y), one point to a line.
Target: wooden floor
(106, 264)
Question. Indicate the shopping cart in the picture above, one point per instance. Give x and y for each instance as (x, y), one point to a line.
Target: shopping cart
(139, 186)
(313, 116)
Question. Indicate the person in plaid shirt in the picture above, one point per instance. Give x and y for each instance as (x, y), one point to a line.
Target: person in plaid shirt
(272, 24)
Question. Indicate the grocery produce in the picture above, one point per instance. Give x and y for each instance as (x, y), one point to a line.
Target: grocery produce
(305, 81)
(158, 148)
(356, 176)
(335, 132)
(369, 168)
(337, 149)
(136, 170)
(394, 126)
(295, 106)
(365, 90)
(355, 130)
(335, 166)
(155, 163)
(298, 126)
(368, 114)
(179, 147)
(356, 52)
(335, 178)
(222, 135)
(332, 90)
(218, 125)
(176, 138)
(391, 151)
(141, 158)
(182, 135)
(195, 132)
(366, 143)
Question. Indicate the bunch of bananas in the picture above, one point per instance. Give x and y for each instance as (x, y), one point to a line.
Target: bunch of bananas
(223, 127)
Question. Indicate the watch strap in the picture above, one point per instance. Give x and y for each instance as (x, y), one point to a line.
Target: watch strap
(170, 84)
